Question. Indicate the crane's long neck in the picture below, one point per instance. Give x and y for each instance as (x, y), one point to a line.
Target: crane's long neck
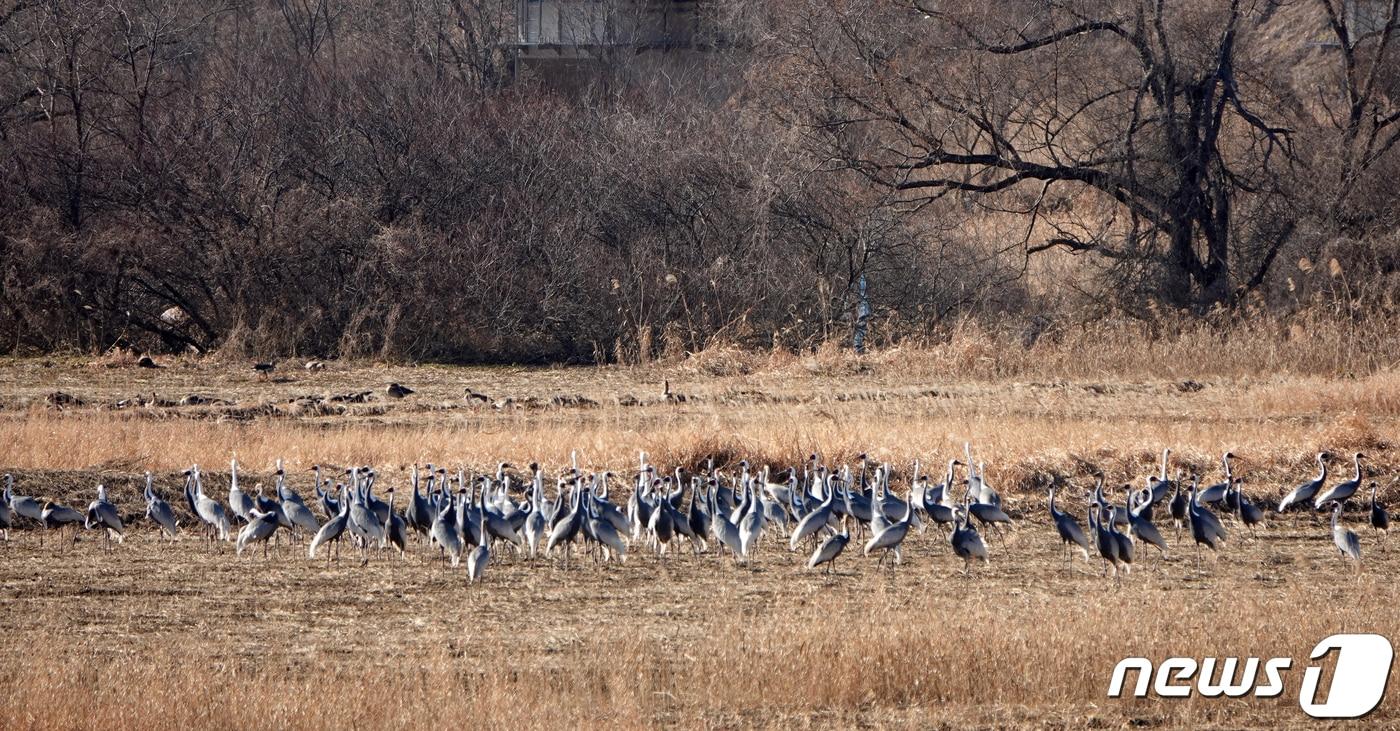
(1165, 454)
(1357, 461)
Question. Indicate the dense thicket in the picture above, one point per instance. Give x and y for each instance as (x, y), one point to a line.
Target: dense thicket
(347, 177)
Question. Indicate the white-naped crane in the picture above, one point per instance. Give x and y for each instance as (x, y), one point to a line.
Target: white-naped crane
(331, 531)
(258, 530)
(239, 502)
(1104, 541)
(1141, 527)
(446, 535)
(480, 556)
(60, 518)
(1206, 529)
(1302, 495)
(830, 549)
(1380, 519)
(1345, 538)
(207, 509)
(22, 506)
(159, 511)
(101, 513)
(1179, 505)
(967, 544)
(1071, 535)
(814, 522)
(1342, 491)
(1216, 493)
(396, 530)
(888, 540)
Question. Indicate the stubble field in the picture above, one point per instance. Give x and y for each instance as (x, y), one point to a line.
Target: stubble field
(160, 635)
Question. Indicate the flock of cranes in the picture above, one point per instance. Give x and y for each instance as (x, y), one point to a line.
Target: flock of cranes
(816, 508)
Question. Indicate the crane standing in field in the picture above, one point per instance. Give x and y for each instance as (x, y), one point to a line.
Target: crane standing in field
(239, 502)
(967, 544)
(830, 549)
(331, 531)
(1303, 494)
(258, 530)
(888, 540)
(1071, 535)
(1345, 538)
(158, 510)
(1342, 491)
(1206, 529)
(1104, 541)
(1142, 528)
(101, 513)
(22, 506)
(60, 518)
(1380, 519)
(481, 555)
(206, 508)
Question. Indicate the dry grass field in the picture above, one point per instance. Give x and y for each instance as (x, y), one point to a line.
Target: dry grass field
(160, 635)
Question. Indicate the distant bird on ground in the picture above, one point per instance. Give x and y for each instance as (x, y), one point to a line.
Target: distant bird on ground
(332, 530)
(1304, 493)
(1245, 510)
(394, 390)
(22, 506)
(1345, 538)
(967, 544)
(1206, 529)
(159, 510)
(1380, 519)
(1342, 491)
(1125, 543)
(207, 509)
(1104, 541)
(1142, 528)
(314, 365)
(830, 549)
(241, 503)
(258, 530)
(475, 397)
(101, 513)
(481, 555)
(396, 529)
(146, 362)
(444, 533)
(1217, 492)
(1161, 485)
(60, 517)
(888, 540)
(6, 517)
(1071, 535)
(1178, 506)
(264, 369)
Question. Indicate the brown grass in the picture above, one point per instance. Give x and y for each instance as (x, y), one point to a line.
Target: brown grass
(155, 636)
(160, 636)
